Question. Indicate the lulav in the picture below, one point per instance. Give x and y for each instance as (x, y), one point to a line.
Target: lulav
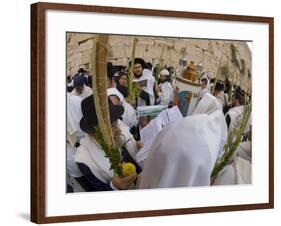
(131, 90)
(104, 135)
(99, 72)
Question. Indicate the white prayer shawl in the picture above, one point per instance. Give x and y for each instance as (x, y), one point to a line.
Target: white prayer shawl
(127, 138)
(244, 150)
(202, 92)
(147, 74)
(87, 91)
(150, 131)
(115, 92)
(129, 116)
(74, 184)
(91, 154)
(207, 76)
(183, 153)
(237, 172)
(207, 105)
(227, 101)
(73, 133)
(221, 98)
(70, 130)
(235, 115)
(74, 115)
(166, 94)
(71, 166)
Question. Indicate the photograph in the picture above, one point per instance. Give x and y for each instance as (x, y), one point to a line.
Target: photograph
(156, 112)
(171, 109)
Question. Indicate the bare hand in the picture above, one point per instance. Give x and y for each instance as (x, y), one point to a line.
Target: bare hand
(132, 102)
(157, 89)
(139, 145)
(123, 183)
(139, 88)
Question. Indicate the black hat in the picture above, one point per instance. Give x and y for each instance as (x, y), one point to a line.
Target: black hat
(81, 70)
(240, 97)
(89, 120)
(78, 81)
(139, 61)
(219, 86)
(109, 68)
(148, 65)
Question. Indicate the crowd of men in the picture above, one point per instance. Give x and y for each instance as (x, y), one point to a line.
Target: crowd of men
(183, 153)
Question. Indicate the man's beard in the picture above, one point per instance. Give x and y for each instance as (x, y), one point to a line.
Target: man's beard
(163, 81)
(137, 76)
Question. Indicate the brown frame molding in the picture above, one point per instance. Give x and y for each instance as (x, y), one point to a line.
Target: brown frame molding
(38, 110)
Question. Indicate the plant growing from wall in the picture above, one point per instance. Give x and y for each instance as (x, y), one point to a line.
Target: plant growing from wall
(240, 64)
(249, 74)
(234, 58)
(225, 72)
(243, 66)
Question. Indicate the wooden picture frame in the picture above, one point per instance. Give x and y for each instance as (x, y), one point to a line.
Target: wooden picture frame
(38, 109)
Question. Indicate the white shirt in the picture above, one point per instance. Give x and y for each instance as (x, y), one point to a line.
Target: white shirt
(166, 94)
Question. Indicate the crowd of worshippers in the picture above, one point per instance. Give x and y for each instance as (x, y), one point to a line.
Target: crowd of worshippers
(183, 153)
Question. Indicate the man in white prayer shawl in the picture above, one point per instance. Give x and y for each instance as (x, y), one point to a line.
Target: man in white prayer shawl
(204, 89)
(73, 135)
(131, 145)
(235, 113)
(73, 132)
(164, 89)
(80, 89)
(90, 156)
(130, 116)
(219, 94)
(184, 152)
(146, 94)
(207, 105)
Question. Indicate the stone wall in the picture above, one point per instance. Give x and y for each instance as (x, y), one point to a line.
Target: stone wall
(218, 57)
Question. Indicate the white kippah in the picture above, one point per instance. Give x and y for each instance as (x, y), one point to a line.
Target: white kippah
(164, 72)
